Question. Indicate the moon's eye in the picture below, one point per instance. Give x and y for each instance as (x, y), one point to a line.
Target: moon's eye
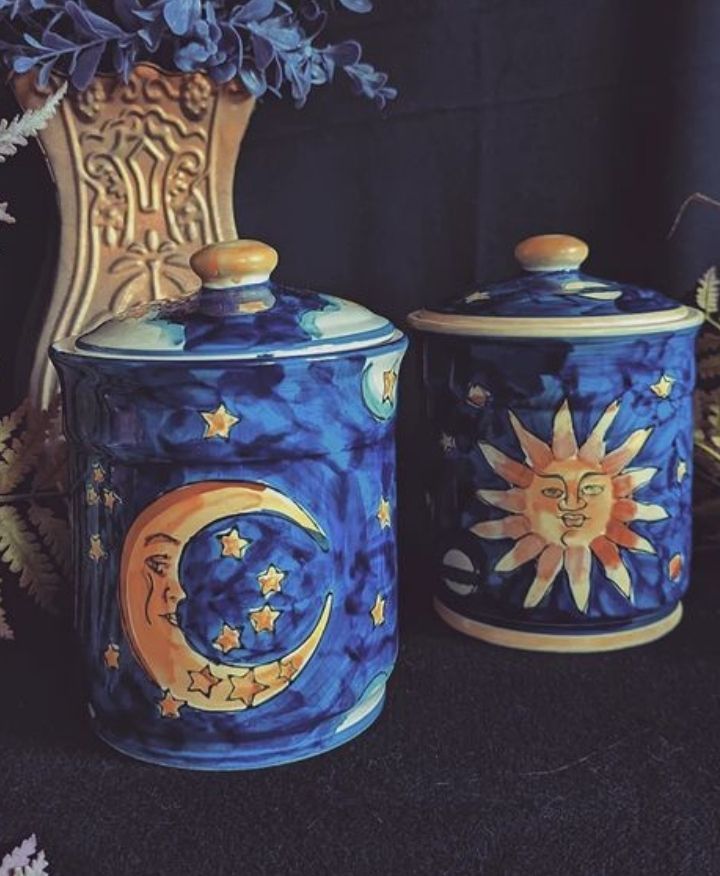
(158, 563)
(553, 492)
(592, 490)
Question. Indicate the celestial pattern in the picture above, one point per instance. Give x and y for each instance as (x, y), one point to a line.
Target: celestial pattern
(675, 567)
(663, 387)
(681, 470)
(271, 580)
(227, 639)
(289, 668)
(96, 551)
(389, 384)
(111, 656)
(384, 514)
(98, 473)
(169, 706)
(91, 495)
(477, 395)
(245, 687)
(377, 612)
(233, 544)
(203, 681)
(110, 499)
(219, 422)
(569, 504)
(263, 619)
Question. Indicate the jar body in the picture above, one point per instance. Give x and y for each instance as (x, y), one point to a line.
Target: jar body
(560, 487)
(234, 552)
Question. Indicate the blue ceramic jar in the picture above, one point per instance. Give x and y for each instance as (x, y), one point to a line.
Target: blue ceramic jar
(233, 507)
(560, 414)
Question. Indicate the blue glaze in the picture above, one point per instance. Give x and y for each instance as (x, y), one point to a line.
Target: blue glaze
(310, 429)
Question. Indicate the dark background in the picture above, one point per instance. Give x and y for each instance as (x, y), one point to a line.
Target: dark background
(514, 117)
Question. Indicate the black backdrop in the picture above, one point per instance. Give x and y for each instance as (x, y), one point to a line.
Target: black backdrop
(514, 117)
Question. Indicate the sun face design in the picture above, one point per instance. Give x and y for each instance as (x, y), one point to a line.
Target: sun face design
(569, 505)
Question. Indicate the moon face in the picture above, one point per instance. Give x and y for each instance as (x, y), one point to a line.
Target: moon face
(151, 590)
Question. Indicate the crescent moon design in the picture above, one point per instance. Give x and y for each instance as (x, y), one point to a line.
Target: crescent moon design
(150, 592)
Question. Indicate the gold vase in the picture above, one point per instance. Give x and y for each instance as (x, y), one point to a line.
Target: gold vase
(144, 174)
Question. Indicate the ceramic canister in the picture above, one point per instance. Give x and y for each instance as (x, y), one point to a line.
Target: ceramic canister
(233, 502)
(559, 410)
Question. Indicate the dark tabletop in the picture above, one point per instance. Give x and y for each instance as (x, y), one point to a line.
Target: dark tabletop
(486, 760)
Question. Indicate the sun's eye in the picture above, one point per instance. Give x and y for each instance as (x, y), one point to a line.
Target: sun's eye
(592, 489)
(553, 492)
(158, 563)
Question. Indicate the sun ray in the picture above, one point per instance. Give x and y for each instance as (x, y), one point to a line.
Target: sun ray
(564, 443)
(625, 537)
(549, 564)
(537, 453)
(510, 470)
(507, 500)
(615, 569)
(578, 561)
(507, 527)
(626, 510)
(593, 450)
(627, 482)
(524, 550)
(616, 461)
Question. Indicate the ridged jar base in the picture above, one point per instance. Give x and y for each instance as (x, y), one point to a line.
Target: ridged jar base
(561, 640)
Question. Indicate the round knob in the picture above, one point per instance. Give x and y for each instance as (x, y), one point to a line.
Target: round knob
(234, 263)
(551, 252)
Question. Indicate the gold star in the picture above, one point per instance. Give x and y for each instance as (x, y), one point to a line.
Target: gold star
(228, 638)
(476, 296)
(477, 396)
(447, 442)
(96, 551)
(111, 656)
(289, 668)
(202, 681)
(263, 619)
(270, 580)
(233, 544)
(377, 612)
(245, 687)
(384, 515)
(98, 473)
(110, 499)
(91, 495)
(663, 387)
(218, 422)
(681, 471)
(389, 384)
(169, 706)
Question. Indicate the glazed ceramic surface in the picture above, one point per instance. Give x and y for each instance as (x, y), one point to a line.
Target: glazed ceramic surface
(233, 510)
(560, 417)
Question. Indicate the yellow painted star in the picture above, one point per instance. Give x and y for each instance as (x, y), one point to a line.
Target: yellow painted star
(245, 687)
(219, 422)
(289, 668)
(377, 612)
(169, 706)
(111, 656)
(681, 471)
(263, 619)
(228, 638)
(477, 396)
(270, 580)
(663, 387)
(233, 544)
(384, 514)
(389, 384)
(91, 495)
(110, 499)
(96, 550)
(98, 473)
(202, 680)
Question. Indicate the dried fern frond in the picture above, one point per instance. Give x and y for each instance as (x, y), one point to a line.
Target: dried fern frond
(707, 294)
(21, 550)
(5, 629)
(15, 134)
(55, 534)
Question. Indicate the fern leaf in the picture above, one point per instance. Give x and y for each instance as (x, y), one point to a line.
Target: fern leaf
(12, 421)
(707, 294)
(25, 556)
(15, 134)
(5, 628)
(55, 534)
(709, 367)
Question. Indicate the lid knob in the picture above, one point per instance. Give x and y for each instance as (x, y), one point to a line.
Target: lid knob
(551, 252)
(234, 263)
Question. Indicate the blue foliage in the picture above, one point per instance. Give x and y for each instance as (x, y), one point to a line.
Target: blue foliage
(269, 45)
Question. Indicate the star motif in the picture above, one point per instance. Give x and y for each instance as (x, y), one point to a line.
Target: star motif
(96, 552)
(110, 499)
(389, 385)
(98, 473)
(219, 422)
(169, 706)
(111, 656)
(477, 296)
(228, 638)
(245, 687)
(675, 567)
(447, 442)
(202, 681)
(377, 612)
(91, 495)
(233, 544)
(270, 580)
(477, 396)
(263, 619)
(681, 471)
(663, 387)
(384, 514)
(289, 668)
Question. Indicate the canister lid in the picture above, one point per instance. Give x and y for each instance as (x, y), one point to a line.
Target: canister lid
(553, 298)
(239, 313)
